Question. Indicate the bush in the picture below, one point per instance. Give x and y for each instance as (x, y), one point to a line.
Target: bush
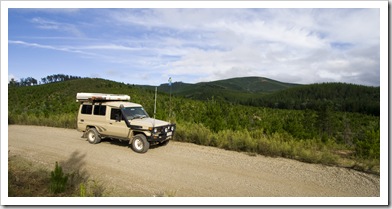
(58, 180)
(194, 133)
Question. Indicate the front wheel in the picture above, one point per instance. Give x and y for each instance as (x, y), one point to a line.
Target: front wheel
(140, 143)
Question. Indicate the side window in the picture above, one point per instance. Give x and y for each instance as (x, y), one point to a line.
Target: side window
(99, 110)
(114, 113)
(87, 109)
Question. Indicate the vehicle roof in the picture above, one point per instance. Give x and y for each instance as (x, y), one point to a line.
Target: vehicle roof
(116, 103)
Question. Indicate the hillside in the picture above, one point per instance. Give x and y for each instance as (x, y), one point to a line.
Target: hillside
(60, 97)
(335, 96)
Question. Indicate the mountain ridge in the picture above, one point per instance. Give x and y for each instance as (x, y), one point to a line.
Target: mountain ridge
(258, 92)
(231, 89)
(252, 83)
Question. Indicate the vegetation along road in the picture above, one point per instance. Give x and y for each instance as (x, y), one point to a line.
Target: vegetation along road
(184, 169)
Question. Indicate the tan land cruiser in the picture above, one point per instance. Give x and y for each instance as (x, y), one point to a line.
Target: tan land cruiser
(113, 116)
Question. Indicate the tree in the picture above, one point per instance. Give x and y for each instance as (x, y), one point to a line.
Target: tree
(325, 120)
(29, 81)
(13, 82)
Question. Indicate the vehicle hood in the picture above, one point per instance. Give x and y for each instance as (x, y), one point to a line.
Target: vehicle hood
(148, 122)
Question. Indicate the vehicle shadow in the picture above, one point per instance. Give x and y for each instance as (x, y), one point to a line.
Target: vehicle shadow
(124, 143)
(79, 180)
(75, 167)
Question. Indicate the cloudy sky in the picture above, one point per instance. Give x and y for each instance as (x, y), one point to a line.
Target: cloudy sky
(147, 46)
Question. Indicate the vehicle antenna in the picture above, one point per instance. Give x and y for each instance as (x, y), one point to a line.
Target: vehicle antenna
(170, 111)
(155, 105)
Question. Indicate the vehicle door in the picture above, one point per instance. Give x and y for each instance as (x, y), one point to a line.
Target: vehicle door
(117, 126)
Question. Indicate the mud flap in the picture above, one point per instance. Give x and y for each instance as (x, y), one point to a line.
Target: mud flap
(84, 135)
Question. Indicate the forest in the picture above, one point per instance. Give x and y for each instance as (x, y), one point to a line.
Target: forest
(30, 81)
(326, 134)
(263, 92)
(336, 96)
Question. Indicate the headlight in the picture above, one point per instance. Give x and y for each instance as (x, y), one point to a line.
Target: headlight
(166, 130)
(155, 130)
(172, 128)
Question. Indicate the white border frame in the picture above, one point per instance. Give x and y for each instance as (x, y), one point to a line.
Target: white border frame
(384, 93)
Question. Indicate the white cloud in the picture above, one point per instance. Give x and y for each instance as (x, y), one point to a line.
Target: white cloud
(57, 26)
(358, 26)
(70, 49)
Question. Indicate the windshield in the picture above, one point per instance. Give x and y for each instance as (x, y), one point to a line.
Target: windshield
(131, 113)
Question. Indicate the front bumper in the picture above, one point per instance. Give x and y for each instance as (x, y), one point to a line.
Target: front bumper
(162, 133)
(160, 137)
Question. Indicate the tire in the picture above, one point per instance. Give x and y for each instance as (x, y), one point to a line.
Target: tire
(93, 136)
(140, 144)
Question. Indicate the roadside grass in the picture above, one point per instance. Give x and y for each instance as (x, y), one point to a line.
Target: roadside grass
(29, 179)
(55, 120)
(277, 145)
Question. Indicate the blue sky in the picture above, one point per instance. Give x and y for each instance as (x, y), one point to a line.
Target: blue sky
(147, 46)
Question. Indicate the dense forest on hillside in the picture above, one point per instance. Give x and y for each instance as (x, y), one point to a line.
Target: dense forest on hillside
(263, 92)
(335, 96)
(323, 136)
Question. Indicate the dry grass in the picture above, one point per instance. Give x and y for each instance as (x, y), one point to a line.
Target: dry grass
(26, 179)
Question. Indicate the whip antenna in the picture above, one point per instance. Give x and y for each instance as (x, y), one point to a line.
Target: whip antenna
(155, 105)
(170, 111)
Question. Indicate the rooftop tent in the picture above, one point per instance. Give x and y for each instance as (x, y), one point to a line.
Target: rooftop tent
(81, 97)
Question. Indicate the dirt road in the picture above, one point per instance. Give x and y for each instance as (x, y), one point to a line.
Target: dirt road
(186, 170)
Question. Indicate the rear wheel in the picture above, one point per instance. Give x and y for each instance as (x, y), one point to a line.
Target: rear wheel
(93, 136)
(140, 144)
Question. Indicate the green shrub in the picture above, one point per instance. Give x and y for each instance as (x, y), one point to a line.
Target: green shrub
(58, 180)
(82, 192)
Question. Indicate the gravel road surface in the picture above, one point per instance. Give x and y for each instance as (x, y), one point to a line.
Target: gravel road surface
(184, 169)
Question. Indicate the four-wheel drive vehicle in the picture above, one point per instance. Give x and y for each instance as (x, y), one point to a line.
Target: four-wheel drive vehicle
(113, 116)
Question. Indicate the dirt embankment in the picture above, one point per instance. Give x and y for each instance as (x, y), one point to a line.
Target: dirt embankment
(183, 169)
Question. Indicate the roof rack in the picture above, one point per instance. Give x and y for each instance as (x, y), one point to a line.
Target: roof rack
(83, 97)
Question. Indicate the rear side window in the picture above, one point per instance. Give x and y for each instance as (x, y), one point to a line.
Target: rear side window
(99, 110)
(87, 109)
